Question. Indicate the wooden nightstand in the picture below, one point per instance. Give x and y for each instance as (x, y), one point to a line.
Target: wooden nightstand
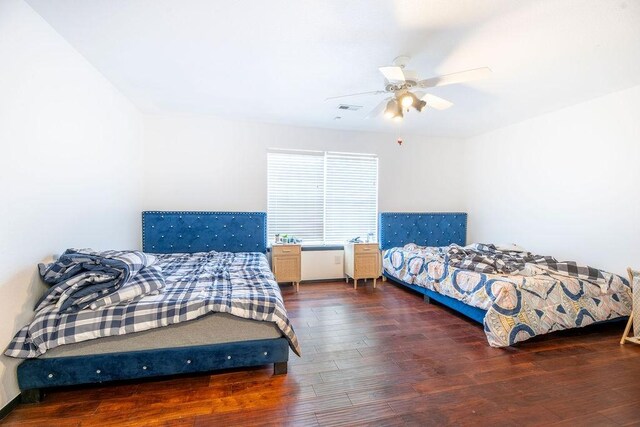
(361, 261)
(286, 263)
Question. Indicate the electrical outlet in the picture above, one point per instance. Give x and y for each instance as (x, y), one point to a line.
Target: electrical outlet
(338, 259)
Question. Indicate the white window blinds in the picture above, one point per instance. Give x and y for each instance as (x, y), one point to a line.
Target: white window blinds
(351, 196)
(322, 197)
(295, 195)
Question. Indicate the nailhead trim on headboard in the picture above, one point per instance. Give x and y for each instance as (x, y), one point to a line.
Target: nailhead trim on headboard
(227, 231)
(422, 228)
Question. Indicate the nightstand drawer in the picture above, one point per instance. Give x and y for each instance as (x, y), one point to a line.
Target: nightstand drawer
(366, 248)
(285, 250)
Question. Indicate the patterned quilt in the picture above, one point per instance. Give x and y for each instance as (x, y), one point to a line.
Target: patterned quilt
(533, 299)
(196, 284)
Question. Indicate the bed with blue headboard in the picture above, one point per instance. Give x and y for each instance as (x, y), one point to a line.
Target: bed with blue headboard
(512, 305)
(187, 232)
(167, 233)
(397, 229)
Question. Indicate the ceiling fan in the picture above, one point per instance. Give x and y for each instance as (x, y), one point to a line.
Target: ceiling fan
(400, 84)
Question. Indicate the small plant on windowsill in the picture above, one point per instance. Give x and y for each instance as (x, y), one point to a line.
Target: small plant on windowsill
(286, 239)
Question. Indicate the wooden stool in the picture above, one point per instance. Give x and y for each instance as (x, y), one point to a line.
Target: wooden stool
(634, 281)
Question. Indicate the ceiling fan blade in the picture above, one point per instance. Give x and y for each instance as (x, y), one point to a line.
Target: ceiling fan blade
(436, 102)
(453, 78)
(392, 73)
(378, 110)
(410, 75)
(373, 92)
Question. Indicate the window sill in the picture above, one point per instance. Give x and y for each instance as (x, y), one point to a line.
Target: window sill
(336, 247)
(313, 248)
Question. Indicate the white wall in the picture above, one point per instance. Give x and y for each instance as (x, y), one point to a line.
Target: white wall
(319, 265)
(565, 184)
(207, 163)
(69, 168)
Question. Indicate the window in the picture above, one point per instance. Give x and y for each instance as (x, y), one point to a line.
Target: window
(322, 197)
(296, 195)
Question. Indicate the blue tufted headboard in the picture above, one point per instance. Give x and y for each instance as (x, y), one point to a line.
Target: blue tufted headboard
(422, 228)
(171, 232)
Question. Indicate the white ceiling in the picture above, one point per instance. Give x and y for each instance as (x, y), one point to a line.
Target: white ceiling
(277, 60)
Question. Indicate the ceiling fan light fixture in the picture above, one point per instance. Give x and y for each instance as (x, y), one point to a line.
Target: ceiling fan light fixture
(419, 104)
(407, 99)
(399, 116)
(392, 109)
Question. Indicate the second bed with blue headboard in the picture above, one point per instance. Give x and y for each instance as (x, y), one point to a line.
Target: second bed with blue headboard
(515, 294)
(431, 229)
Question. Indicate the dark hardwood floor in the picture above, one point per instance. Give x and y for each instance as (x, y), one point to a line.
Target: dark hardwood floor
(381, 357)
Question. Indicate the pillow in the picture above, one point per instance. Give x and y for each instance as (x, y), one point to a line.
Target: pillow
(509, 247)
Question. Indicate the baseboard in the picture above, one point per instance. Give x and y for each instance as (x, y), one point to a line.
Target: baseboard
(336, 279)
(9, 407)
(310, 281)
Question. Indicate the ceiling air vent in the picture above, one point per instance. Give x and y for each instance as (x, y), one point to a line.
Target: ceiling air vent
(349, 107)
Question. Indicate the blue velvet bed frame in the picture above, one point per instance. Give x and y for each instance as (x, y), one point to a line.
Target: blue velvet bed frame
(168, 232)
(427, 229)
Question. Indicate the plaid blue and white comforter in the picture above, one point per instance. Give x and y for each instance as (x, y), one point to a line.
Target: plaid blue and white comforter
(83, 278)
(196, 284)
